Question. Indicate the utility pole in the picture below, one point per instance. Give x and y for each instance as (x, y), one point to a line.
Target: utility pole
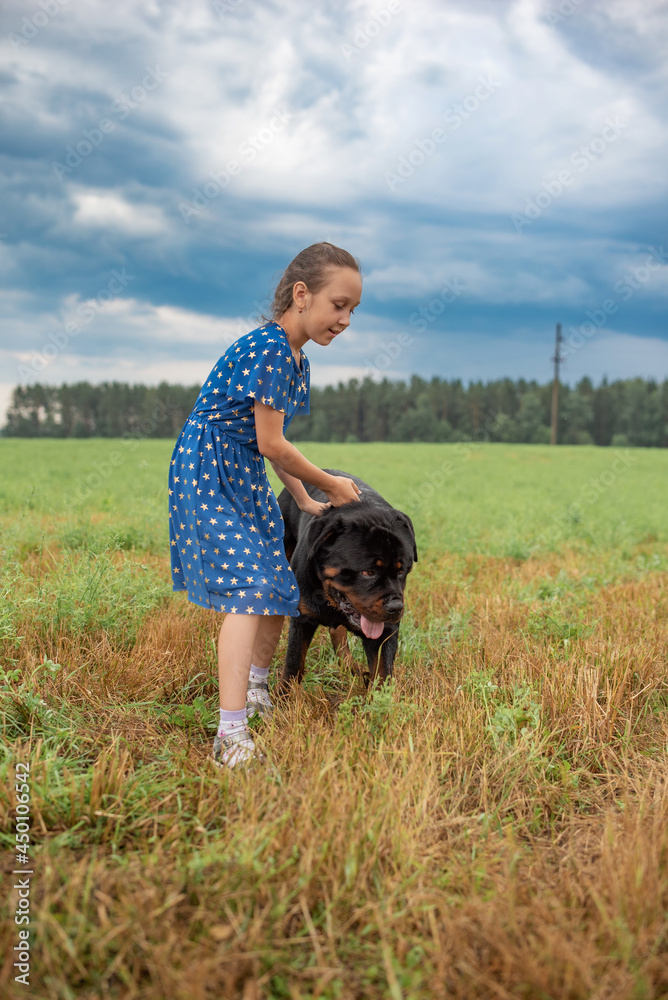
(555, 386)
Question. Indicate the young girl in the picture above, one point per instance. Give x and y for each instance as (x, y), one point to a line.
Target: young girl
(225, 526)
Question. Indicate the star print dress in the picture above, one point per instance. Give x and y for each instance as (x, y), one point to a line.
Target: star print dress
(225, 526)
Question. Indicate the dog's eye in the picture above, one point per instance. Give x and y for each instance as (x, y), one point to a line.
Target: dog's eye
(368, 572)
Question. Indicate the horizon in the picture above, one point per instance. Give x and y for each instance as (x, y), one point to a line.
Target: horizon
(378, 378)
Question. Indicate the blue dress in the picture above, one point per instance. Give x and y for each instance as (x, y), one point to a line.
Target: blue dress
(225, 526)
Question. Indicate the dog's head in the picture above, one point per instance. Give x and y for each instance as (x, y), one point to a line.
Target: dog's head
(361, 556)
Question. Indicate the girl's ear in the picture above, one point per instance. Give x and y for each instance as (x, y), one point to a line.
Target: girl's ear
(299, 294)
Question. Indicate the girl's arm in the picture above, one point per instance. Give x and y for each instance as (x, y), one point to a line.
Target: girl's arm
(283, 455)
(296, 487)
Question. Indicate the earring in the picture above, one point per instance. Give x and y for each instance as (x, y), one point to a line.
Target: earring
(300, 310)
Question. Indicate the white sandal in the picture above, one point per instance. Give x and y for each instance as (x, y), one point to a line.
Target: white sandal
(258, 701)
(236, 749)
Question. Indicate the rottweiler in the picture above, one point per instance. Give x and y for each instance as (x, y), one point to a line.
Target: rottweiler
(351, 564)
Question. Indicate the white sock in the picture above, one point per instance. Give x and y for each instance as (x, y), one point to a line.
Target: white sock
(258, 674)
(231, 721)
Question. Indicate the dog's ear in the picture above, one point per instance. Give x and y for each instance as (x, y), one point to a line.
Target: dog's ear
(405, 520)
(322, 528)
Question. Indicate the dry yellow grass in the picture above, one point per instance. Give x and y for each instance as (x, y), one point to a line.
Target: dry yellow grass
(499, 829)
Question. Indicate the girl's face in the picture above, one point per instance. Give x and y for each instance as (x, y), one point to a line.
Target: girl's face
(326, 314)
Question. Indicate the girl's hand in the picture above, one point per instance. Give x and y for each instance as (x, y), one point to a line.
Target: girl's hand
(310, 506)
(342, 491)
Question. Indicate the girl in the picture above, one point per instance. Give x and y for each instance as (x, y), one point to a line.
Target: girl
(225, 526)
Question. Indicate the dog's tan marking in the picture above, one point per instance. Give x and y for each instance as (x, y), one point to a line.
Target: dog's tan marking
(379, 562)
(329, 597)
(374, 612)
(348, 594)
(399, 564)
(339, 637)
(331, 571)
(371, 611)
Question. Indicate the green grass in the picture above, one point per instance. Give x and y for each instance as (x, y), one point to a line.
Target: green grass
(494, 823)
(485, 498)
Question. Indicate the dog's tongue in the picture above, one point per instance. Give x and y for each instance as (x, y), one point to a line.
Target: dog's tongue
(372, 630)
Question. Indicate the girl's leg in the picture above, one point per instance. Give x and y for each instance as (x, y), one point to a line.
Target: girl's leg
(266, 640)
(243, 640)
(236, 644)
(233, 745)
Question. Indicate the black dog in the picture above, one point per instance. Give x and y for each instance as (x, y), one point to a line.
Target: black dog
(351, 564)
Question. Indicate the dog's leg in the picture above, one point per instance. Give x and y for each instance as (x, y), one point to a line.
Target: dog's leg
(380, 654)
(388, 651)
(339, 637)
(302, 630)
(370, 647)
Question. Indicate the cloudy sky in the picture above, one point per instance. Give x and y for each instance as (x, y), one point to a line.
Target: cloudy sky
(497, 165)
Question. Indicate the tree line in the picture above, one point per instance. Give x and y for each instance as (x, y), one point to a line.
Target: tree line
(629, 412)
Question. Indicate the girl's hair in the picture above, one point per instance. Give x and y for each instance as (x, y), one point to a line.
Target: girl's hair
(312, 266)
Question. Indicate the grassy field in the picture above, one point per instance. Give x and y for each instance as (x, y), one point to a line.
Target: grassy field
(493, 824)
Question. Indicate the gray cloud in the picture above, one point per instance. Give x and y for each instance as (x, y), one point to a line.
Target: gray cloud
(412, 133)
